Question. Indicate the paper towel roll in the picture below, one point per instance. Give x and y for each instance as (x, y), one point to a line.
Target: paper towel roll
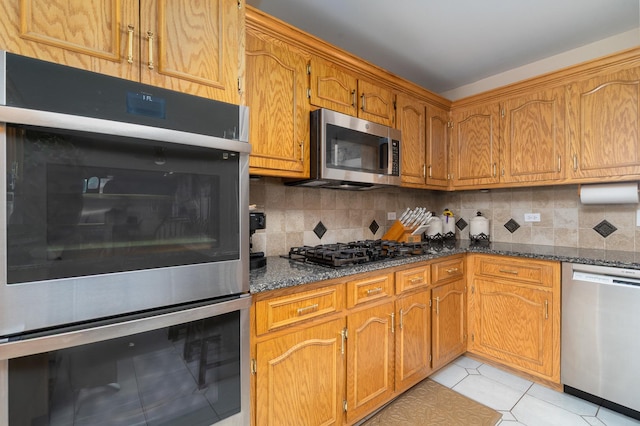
(614, 193)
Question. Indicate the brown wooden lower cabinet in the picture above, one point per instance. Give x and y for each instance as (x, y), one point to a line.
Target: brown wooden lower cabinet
(370, 349)
(300, 377)
(413, 339)
(514, 309)
(448, 333)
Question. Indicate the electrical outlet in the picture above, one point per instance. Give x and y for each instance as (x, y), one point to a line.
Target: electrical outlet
(532, 217)
(391, 215)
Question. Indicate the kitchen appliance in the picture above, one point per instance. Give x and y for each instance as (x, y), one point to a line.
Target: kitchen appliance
(351, 153)
(115, 191)
(360, 252)
(257, 220)
(600, 323)
(125, 260)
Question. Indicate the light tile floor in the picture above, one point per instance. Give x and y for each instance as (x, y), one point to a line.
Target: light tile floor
(522, 402)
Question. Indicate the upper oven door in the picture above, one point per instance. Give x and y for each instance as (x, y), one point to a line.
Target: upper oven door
(98, 224)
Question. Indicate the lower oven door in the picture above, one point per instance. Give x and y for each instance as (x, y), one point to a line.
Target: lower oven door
(187, 367)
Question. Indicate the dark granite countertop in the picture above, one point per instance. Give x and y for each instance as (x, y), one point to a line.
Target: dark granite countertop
(281, 272)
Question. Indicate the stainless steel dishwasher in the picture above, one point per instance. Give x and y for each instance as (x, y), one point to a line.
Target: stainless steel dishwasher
(601, 335)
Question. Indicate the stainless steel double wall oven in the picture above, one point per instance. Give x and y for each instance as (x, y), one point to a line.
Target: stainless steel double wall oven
(124, 240)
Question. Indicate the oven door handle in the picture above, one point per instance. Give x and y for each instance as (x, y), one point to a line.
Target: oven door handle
(57, 120)
(63, 340)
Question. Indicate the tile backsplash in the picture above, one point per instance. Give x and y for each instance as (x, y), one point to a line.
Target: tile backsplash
(293, 212)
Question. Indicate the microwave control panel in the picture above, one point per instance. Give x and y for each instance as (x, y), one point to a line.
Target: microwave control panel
(395, 156)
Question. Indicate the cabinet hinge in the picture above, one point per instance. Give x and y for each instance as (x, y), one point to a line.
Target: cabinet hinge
(309, 93)
(450, 124)
(472, 337)
(473, 289)
(429, 302)
(239, 86)
(502, 112)
(239, 4)
(430, 358)
(395, 106)
(308, 69)
(344, 405)
(254, 366)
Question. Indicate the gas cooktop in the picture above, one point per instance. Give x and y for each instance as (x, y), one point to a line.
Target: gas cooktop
(364, 251)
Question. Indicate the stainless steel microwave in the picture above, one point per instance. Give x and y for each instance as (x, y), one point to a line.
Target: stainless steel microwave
(352, 153)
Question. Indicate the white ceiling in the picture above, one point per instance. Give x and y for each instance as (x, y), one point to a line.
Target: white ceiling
(449, 45)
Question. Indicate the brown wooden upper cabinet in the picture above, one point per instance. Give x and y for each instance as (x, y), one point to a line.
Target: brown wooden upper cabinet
(411, 119)
(604, 125)
(185, 46)
(475, 146)
(335, 88)
(425, 139)
(533, 142)
(276, 96)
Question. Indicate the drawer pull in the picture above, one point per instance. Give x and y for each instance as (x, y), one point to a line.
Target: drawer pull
(452, 270)
(373, 291)
(509, 271)
(308, 309)
(416, 280)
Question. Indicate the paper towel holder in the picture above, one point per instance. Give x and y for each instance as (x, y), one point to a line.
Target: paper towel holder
(629, 195)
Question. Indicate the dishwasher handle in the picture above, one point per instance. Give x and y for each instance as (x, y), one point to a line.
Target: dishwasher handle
(604, 279)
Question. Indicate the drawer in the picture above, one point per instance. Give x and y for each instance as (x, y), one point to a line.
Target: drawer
(412, 278)
(286, 310)
(369, 289)
(445, 270)
(527, 271)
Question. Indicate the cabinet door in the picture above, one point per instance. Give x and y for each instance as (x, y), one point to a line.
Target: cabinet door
(437, 147)
(411, 120)
(413, 339)
(376, 103)
(91, 35)
(449, 325)
(275, 95)
(604, 125)
(475, 147)
(513, 324)
(192, 47)
(300, 377)
(332, 87)
(533, 137)
(370, 349)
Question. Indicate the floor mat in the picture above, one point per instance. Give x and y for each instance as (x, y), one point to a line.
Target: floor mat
(430, 403)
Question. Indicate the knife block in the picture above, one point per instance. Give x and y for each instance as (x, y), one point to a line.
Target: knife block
(398, 232)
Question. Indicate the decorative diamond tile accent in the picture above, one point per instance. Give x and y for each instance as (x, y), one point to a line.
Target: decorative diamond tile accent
(605, 229)
(374, 227)
(512, 225)
(320, 230)
(461, 224)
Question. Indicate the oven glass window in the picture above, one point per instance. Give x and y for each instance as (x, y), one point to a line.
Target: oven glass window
(85, 204)
(184, 375)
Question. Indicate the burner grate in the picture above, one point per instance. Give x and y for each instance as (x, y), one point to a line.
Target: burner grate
(357, 252)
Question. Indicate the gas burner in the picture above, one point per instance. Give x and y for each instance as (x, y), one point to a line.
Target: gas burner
(338, 254)
(358, 252)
